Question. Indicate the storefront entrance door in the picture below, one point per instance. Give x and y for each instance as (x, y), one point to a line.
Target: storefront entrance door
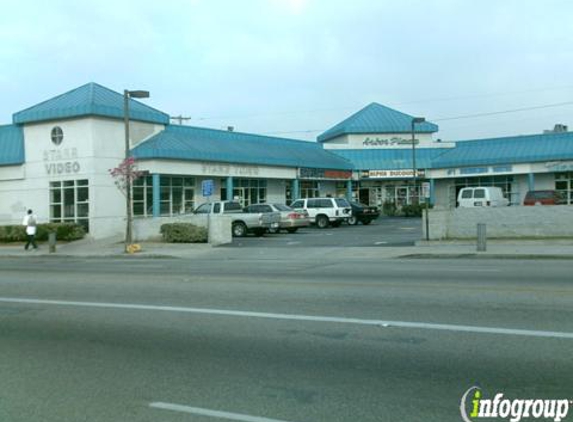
(364, 196)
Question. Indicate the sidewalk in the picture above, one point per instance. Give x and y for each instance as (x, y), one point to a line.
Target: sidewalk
(498, 248)
(114, 248)
(106, 248)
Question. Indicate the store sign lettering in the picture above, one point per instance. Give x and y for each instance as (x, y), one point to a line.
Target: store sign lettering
(559, 166)
(61, 161)
(68, 167)
(394, 141)
(229, 170)
(467, 171)
(308, 173)
(395, 174)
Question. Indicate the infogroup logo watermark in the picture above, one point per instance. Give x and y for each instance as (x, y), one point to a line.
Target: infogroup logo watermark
(474, 406)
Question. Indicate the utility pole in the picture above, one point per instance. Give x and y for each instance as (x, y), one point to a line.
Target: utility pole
(180, 119)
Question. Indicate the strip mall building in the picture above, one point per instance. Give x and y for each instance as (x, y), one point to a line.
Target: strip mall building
(55, 159)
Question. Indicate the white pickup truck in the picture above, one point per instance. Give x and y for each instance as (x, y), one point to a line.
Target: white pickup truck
(242, 222)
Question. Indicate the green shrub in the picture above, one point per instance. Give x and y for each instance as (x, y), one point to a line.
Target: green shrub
(64, 231)
(414, 210)
(389, 209)
(183, 233)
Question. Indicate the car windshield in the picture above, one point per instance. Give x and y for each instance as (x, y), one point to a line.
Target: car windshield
(341, 202)
(282, 207)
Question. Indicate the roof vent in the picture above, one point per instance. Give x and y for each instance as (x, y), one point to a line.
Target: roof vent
(559, 128)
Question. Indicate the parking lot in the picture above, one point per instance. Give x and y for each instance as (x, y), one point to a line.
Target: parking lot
(385, 231)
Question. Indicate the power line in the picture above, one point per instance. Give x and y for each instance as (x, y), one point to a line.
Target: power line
(427, 100)
(499, 94)
(466, 116)
(493, 113)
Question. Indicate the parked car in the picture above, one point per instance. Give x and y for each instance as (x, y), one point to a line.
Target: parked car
(242, 222)
(363, 213)
(544, 197)
(324, 211)
(291, 220)
(484, 196)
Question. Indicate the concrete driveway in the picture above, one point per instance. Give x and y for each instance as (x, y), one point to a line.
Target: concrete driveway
(385, 231)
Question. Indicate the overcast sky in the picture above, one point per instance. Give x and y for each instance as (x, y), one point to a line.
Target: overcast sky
(294, 68)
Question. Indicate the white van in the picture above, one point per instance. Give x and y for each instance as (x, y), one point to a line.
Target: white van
(485, 196)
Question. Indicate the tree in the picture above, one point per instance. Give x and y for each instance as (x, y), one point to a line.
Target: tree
(124, 175)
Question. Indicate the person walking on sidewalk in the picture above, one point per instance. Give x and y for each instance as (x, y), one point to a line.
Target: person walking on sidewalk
(30, 221)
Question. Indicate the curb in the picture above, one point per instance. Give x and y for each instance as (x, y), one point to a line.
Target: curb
(487, 256)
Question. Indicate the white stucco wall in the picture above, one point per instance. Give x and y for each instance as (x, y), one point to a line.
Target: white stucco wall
(46, 162)
(90, 147)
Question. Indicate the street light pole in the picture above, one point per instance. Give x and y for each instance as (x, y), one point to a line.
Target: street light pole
(414, 169)
(126, 96)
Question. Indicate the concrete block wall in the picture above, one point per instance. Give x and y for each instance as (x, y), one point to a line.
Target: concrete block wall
(219, 227)
(503, 222)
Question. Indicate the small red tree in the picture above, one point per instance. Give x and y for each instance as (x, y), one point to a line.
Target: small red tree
(125, 174)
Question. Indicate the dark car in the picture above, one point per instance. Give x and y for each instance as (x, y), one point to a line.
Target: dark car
(544, 197)
(363, 213)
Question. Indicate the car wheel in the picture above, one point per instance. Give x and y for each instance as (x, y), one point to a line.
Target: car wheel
(292, 230)
(366, 222)
(322, 221)
(353, 221)
(239, 229)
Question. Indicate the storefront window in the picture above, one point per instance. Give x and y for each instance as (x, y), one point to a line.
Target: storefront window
(342, 189)
(564, 184)
(176, 195)
(69, 202)
(309, 189)
(247, 191)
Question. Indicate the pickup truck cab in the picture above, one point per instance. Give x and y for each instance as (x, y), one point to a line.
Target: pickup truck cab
(242, 222)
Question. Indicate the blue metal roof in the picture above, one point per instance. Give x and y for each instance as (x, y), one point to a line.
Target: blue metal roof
(11, 145)
(89, 100)
(508, 150)
(202, 144)
(376, 118)
(389, 159)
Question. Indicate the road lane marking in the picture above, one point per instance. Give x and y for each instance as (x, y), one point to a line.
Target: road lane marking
(293, 317)
(380, 243)
(211, 413)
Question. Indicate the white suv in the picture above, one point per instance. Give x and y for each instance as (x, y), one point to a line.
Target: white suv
(324, 211)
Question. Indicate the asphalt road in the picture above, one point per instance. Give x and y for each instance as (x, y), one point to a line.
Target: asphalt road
(384, 231)
(218, 335)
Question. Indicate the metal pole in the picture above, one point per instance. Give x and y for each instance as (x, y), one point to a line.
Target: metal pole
(481, 237)
(128, 236)
(52, 241)
(413, 161)
(427, 220)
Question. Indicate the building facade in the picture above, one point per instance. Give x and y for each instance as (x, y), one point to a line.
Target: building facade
(55, 158)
